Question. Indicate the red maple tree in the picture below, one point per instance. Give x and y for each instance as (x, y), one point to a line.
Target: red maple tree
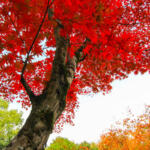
(52, 50)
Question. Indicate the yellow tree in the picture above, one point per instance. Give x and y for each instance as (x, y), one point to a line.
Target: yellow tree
(133, 135)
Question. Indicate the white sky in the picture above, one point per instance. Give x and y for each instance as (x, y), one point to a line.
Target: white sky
(98, 112)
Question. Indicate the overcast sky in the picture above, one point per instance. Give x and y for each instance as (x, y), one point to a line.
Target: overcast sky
(98, 112)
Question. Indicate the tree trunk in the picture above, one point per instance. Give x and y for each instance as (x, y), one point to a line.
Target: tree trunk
(39, 125)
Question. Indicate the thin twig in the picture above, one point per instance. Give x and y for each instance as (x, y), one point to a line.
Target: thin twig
(79, 52)
(28, 53)
(23, 41)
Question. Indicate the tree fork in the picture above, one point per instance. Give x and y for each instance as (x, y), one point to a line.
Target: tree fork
(39, 125)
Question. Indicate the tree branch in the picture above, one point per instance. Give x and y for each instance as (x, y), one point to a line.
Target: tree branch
(27, 88)
(60, 54)
(23, 41)
(72, 63)
(27, 58)
(24, 83)
(79, 53)
(147, 49)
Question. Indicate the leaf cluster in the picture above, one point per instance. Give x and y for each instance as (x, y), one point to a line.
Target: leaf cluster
(64, 144)
(10, 123)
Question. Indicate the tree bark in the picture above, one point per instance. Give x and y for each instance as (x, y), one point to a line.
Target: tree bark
(39, 125)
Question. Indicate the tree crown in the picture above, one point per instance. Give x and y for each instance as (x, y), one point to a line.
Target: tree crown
(115, 32)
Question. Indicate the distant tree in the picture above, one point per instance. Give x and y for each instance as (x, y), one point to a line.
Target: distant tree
(10, 123)
(84, 145)
(133, 135)
(62, 144)
(87, 146)
(65, 144)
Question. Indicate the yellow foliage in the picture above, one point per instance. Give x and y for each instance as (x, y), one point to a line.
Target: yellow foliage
(134, 134)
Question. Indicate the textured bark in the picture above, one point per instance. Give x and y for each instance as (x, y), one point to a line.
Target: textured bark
(39, 125)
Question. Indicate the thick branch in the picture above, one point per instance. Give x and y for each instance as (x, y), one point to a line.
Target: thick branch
(62, 72)
(60, 54)
(27, 88)
(73, 62)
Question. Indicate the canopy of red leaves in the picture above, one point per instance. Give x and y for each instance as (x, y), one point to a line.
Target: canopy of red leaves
(118, 30)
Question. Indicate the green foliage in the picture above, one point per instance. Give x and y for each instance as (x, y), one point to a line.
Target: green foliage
(65, 144)
(62, 144)
(10, 122)
(87, 146)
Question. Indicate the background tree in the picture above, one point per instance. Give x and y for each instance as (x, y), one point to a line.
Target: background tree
(79, 47)
(134, 133)
(10, 123)
(64, 144)
(87, 146)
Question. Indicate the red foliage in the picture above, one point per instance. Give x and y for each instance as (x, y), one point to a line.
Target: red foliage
(118, 30)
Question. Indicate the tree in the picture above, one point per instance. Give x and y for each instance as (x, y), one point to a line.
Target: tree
(134, 134)
(64, 144)
(87, 146)
(10, 123)
(53, 50)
